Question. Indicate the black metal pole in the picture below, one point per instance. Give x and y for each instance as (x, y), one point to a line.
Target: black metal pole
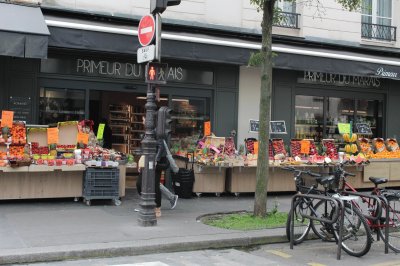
(149, 147)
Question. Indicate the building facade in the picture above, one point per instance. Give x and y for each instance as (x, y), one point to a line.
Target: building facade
(331, 66)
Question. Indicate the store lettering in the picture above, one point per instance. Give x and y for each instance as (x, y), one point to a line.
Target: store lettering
(117, 69)
(175, 73)
(383, 73)
(340, 80)
(86, 66)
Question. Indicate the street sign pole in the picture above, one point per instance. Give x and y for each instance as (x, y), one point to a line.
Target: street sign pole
(158, 37)
(149, 148)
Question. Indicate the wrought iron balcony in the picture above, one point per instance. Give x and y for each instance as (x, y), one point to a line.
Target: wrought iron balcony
(287, 20)
(378, 32)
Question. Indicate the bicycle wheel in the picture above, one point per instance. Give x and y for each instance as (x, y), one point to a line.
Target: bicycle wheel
(301, 224)
(394, 223)
(323, 209)
(356, 237)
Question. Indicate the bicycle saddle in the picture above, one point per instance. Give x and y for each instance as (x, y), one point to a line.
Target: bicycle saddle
(324, 180)
(378, 180)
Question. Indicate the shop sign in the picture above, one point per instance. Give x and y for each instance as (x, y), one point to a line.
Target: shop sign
(385, 73)
(340, 80)
(91, 67)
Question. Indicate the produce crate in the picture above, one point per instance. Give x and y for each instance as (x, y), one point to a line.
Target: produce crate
(101, 183)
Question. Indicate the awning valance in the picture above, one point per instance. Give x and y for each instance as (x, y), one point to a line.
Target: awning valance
(96, 36)
(23, 31)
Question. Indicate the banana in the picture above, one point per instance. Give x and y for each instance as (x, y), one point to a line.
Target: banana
(354, 148)
(346, 137)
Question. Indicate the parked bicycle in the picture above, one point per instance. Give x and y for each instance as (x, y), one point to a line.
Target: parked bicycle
(390, 214)
(356, 234)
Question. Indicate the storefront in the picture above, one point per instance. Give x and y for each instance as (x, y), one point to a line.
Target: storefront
(111, 88)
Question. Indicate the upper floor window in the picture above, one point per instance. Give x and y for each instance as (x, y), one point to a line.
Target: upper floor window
(287, 17)
(376, 20)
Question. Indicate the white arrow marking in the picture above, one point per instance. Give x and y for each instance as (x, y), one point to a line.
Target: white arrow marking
(146, 30)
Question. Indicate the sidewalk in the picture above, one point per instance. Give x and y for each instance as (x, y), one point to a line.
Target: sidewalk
(47, 230)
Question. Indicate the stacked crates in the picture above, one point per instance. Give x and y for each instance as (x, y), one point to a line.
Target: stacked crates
(101, 183)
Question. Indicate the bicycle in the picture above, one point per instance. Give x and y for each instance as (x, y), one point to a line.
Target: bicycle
(390, 205)
(356, 235)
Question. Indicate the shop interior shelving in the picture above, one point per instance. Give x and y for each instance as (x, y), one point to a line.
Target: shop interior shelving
(120, 122)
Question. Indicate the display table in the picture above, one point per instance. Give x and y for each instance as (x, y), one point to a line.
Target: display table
(243, 179)
(39, 181)
(42, 181)
(209, 179)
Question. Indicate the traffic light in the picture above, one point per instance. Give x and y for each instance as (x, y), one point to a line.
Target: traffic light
(156, 73)
(159, 6)
(163, 130)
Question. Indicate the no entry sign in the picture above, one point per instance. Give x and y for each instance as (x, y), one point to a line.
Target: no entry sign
(146, 30)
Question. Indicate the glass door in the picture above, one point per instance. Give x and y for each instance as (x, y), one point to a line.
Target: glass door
(309, 120)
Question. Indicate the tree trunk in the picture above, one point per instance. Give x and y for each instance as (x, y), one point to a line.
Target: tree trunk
(262, 175)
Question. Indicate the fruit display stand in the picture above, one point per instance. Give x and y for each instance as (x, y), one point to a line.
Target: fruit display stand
(40, 181)
(209, 179)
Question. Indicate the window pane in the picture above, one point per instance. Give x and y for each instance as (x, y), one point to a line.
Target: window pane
(384, 8)
(309, 117)
(370, 112)
(56, 105)
(189, 115)
(366, 7)
(339, 110)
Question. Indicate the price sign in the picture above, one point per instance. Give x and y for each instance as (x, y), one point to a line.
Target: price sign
(256, 147)
(344, 128)
(363, 128)
(100, 131)
(277, 127)
(207, 128)
(52, 135)
(7, 118)
(83, 137)
(254, 126)
(305, 147)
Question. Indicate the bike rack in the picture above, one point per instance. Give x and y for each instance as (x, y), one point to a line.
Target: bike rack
(338, 206)
(385, 201)
(378, 200)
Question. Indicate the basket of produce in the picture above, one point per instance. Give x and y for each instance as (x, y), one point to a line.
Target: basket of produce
(392, 144)
(330, 148)
(379, 145)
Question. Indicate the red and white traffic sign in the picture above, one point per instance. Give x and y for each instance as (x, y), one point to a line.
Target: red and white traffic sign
(146, 30)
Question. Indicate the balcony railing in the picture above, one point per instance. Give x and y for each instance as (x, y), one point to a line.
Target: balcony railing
(378, 32)
(287, 20)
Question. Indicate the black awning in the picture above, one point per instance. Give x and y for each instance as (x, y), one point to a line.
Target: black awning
(336, 62)
(120, 43)
(23, 31)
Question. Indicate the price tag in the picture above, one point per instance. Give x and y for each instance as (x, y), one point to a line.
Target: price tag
(305, 147)
(344, 128)
(83, 137)
(52, 135)
(7, 118)
(256, 147)
(207, 128)
(100, 131)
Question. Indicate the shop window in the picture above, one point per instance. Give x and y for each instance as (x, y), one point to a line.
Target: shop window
(188, 117)
(56, 105)
(309, 117)
(317, 117)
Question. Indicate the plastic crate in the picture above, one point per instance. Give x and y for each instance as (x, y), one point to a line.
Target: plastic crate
(101, 183)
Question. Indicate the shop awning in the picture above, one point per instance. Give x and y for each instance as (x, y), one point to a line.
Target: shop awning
(337, 62)
(23, 31)
(96, 36)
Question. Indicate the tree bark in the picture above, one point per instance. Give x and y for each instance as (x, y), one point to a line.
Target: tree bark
(262, 175)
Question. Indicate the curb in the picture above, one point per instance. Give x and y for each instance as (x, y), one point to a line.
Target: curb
(118, 249)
